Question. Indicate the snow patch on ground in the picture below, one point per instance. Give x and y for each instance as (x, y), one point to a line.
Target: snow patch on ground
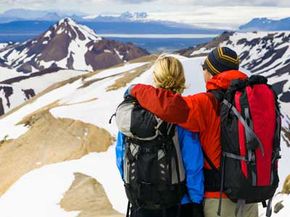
(6, 73)
(50, 183)
(284, 169)
(284, 212)
(9, 125)
(3, 45)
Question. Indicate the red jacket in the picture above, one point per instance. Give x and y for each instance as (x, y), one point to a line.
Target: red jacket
(199, 113)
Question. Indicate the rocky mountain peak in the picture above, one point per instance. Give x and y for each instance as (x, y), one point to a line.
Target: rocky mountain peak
(68, 45)
(73, 30)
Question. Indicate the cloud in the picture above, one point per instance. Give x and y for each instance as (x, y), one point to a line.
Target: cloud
(229, 3)
(163, 3)
(229, 17)
(13, 2)
(207, 13)
(136, 1)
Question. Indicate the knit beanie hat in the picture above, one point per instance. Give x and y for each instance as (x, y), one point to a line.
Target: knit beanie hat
(221, 59)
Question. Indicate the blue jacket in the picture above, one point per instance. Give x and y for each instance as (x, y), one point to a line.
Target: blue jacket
(192, 159)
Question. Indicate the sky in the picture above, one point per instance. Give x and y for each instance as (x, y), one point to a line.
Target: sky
(205, 13)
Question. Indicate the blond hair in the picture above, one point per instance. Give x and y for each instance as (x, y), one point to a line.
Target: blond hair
(169, 74)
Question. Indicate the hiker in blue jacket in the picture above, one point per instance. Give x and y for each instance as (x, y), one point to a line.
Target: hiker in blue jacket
(190, 150)
(193, 163)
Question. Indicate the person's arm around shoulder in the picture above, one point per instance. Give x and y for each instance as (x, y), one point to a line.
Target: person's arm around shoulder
(120, 150)
(193, 161)
(163, 103)
(174, 108)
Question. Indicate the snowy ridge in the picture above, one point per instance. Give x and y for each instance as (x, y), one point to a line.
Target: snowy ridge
(73, 95)
(3, 45)
(67, 45)
(6, 73)
(260, 52)
(20, 88)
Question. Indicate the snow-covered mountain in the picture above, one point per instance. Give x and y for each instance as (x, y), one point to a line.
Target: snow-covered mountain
(30, 67)
(126, 16)
(3, 45)
(68, 45)
(16, 88)
(266, 24)
(264, 53)
(89, 99)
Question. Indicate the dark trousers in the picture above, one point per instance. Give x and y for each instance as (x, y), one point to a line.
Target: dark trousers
(186, 210)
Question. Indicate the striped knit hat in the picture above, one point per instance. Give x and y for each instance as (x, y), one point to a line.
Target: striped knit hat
(221, 59)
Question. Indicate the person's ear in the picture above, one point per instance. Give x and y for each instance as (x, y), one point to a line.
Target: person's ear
(207, 76)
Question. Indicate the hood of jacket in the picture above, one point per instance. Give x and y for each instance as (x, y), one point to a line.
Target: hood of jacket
(223, 80)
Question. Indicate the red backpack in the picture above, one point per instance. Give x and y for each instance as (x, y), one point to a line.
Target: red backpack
(250, 138)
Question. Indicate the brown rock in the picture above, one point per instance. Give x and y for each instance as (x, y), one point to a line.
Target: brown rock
(49, 140)
(87, 196)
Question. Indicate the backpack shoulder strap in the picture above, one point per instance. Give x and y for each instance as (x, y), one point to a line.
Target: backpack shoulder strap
(218, 94)
(216, 97)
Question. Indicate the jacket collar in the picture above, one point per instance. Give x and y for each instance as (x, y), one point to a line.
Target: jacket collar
(223, 80)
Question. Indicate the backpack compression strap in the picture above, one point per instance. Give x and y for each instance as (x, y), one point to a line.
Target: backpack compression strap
(157, 131)
(248, 129)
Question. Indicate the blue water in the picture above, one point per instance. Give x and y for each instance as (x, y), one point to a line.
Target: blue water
(15, 38)
(153, 45)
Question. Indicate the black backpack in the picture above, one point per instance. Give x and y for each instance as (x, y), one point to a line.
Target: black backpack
(153, 171)
(250, 138)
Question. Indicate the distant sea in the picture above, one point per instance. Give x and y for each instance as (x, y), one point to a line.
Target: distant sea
(154, 43)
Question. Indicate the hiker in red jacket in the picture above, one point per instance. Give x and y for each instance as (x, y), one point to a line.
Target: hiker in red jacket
(202, 113)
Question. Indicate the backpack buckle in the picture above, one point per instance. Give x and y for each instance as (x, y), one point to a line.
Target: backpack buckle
(251, 158)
